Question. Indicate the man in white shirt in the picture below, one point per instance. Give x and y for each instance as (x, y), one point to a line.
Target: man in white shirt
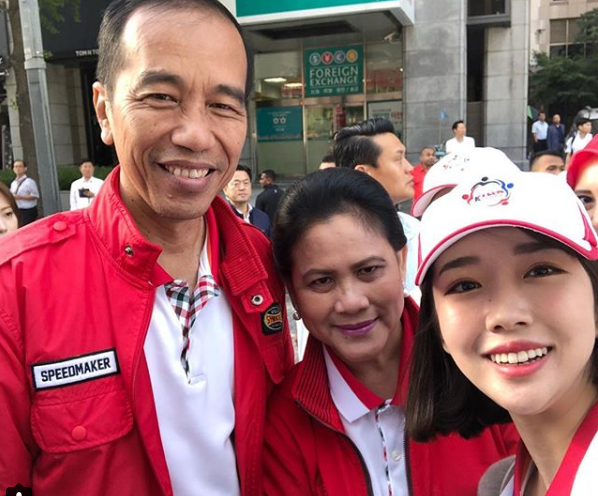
(25, 191)
(460, 142)
(540, 133)
(84, 190)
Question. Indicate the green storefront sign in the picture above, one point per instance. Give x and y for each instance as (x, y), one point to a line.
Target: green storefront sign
(333, 71)
(260, 7)
(279, 124)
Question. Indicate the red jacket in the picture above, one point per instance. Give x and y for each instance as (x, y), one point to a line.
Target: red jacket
(418, 173)
(308, 453)
(79, 282)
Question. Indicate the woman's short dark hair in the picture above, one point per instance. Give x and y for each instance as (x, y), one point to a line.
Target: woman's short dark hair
(111, 58)
(324, 194)
(441, 399)
(5, 192)
(353, 145)
(581, 121)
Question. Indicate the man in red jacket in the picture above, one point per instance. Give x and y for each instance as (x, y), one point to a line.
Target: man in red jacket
(140, 337)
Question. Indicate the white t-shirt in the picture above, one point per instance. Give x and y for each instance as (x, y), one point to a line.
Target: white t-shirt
(453, 145)
(575, 143)
(93, 184)
(540, 129)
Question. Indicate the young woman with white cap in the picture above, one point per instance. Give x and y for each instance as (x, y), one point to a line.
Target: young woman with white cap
(508, 327)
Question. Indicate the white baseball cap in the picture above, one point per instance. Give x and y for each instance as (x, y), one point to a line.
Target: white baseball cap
(539, 202)
(451, 169)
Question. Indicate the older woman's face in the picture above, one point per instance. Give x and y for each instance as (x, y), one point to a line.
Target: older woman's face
(8, 218)
(586, 190)
(346, 283)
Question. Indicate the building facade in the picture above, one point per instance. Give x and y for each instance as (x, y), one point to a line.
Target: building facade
(553, 26)
(324, 64)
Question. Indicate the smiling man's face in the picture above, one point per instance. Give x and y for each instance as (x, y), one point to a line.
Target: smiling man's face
(176, 114)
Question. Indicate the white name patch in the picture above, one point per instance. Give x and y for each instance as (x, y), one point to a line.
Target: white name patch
(74, 370)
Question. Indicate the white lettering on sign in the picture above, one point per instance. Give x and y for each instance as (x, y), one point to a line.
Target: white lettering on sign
(333, 76)
(74, 370)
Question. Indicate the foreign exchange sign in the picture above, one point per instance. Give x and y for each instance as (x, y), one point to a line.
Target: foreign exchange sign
(333, 71)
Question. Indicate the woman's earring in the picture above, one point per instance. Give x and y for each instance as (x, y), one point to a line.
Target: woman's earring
(296, 315)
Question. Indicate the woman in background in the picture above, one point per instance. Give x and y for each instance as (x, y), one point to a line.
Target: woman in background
(579, 140)
(582, 176)
(9, 213)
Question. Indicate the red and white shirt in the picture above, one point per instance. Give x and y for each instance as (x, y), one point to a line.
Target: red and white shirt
(576, 476)
(375, 425)
(189, 349)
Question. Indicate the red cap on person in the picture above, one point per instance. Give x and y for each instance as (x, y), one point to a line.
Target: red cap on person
(580, 160)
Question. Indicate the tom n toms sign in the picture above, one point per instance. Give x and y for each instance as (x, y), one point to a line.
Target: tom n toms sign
(333, 71)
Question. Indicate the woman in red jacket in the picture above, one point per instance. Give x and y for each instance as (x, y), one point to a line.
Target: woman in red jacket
(582, 176)
(336, 424)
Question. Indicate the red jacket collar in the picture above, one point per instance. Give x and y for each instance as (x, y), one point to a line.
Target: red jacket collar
(119, 235)
(310, 388)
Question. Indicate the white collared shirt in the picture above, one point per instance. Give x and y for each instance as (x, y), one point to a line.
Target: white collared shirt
(196, 413)
(372, 437)
(93, 184)
(27, 187)
(540, 129)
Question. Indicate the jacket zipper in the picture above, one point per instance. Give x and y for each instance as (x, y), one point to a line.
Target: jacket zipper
(361, 460)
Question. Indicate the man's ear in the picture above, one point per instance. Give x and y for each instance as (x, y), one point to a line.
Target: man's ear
(103, 112)
(363, 168)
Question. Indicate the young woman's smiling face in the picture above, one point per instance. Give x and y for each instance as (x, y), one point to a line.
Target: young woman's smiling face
(517, 316)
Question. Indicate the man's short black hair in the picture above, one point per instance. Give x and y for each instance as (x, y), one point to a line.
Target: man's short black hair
(581, 121)
(353, 145)
(83, 160)
(545, 153)
(456, 124)
(270, 174)
(328, 158)
(246, 169)
(111, 58)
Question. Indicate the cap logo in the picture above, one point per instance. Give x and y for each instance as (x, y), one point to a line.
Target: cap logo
(489, 193)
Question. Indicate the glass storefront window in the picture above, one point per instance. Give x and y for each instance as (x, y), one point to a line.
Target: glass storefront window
(278, 76)
(384, 67)
(294, 127)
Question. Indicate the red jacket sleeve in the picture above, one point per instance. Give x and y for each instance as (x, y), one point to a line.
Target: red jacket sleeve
(18, 447)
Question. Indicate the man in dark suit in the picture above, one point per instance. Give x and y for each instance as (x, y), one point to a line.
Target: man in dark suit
(267, 200)
(238, 193)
